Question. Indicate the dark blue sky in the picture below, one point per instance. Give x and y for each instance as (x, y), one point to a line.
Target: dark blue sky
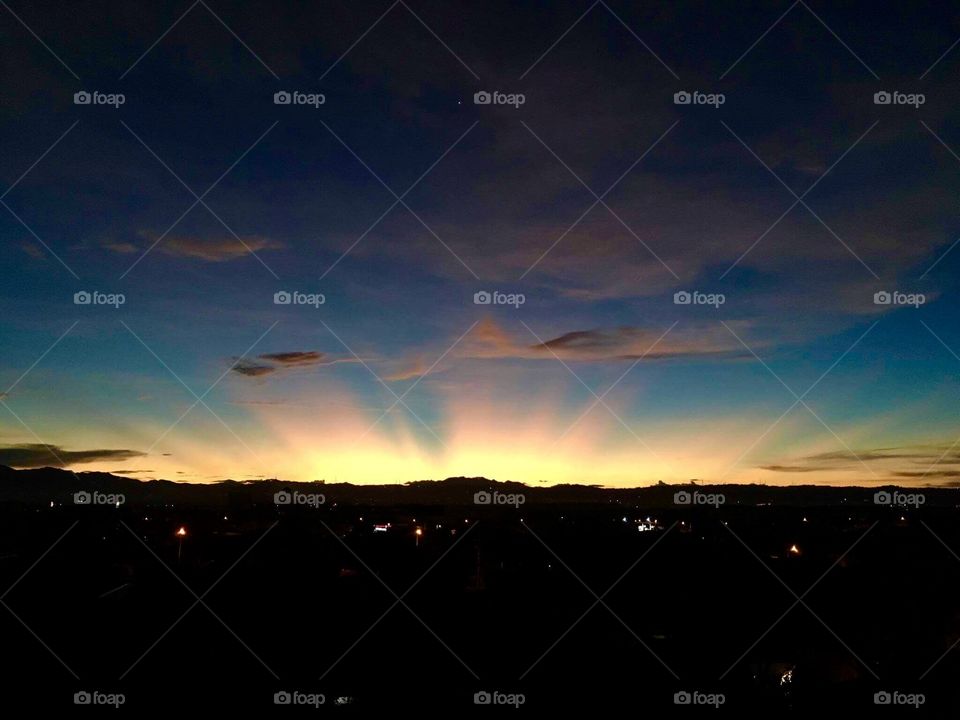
(794, 202)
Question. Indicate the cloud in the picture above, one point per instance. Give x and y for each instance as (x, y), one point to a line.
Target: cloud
(417, 368)
(251, 369)
(489, 340)
(124, 248)
(30, 455)
(300, 357)
(32, 250)
(269, 363)
(790, 468)
(893, 460)
(208, 249)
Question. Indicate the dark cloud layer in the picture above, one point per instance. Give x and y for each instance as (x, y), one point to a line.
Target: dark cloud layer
(31, 455)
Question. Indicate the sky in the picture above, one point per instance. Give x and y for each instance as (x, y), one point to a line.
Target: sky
(780, 201)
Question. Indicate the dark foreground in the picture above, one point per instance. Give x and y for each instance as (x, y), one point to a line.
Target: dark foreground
(782, 607)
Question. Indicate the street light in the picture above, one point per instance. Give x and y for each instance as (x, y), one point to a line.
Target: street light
(181, 534)
(417, 533)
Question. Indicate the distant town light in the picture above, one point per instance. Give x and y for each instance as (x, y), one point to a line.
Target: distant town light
(794, 550)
